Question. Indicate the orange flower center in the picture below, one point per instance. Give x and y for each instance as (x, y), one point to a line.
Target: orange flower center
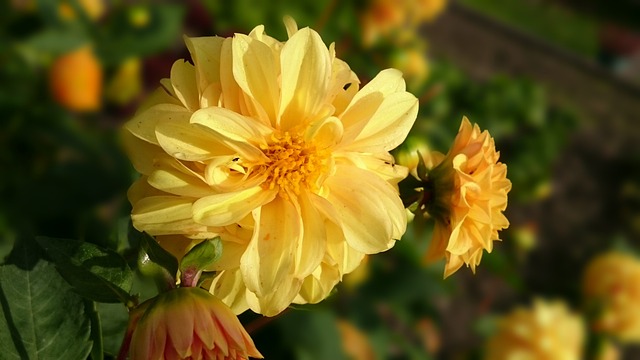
(293, 164)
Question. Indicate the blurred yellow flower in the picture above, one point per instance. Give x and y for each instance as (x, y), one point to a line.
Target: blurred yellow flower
(76, 80)
(126, 83)
(355, 343)
(413, 63)
(466, 193)
(548, 331)
(93, 8)
(273, 147)
(186, 323)
(612, 286)
(393, 19)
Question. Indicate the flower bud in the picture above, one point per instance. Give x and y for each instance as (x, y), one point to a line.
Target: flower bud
(186, 323)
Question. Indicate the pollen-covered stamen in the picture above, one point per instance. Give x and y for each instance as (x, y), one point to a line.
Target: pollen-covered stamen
(293, 164)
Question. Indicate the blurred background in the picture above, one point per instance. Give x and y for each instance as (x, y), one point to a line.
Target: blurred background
(557, 83)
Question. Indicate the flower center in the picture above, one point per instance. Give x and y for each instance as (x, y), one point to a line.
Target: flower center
(293, 164)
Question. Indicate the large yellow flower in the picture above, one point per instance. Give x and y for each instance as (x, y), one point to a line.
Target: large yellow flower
(273, 147)
(547, 331)
(612, 285)
(466, 193)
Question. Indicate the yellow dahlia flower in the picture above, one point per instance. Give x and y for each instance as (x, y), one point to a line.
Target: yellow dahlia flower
(272, 146)
(186, 323)
(466, 193)
(548, 331)
(612, 284)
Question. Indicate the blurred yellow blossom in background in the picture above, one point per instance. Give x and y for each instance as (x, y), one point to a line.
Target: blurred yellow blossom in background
(186, 323)
(76, 80)
(395, 19)
(273, 147)
(546, 331)
(611, 285)
(355, 343)
(126, 83)
(93, 8)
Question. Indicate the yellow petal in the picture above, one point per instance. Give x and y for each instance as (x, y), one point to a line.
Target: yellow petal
(316, 287)
(227, 208)
(205, 52)
(346, 258)
(291, 25)
(141, 153)
(389, 125)
(369, 224)
(159, 209)
(228, 286)
(325, 133)
(158, 96)
(306, 72)
(387, 82)
(269, 258)
(144, 124)
(274, 303)
(341, 77)
(141, 189)
(232, 125)
(164, 215)
(256, 72)
(189, 142)
(231, 253)
(438, 244)
(382, 164)
(183, 80)
(311, 249)
(170, 177)
(231, 92)
(211, 96)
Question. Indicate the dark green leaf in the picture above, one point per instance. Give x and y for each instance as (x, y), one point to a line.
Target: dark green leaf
(97, 351)
(202, 255)
(99, 274)
(113, 320)
(153, 252)
(42, 317)
(57, 41)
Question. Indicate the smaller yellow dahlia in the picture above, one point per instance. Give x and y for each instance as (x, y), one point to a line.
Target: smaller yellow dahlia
(186, 323)
(547, 331)
(466, 193)
(612, 284)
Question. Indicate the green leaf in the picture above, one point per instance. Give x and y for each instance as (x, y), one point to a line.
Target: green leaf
(202, 255)
(57, 41)
(97, 351)
(153, 252)
(113, 321)
(42, 317)
(99, 274)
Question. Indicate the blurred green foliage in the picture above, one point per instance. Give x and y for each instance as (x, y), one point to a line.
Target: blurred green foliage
(547, 20)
